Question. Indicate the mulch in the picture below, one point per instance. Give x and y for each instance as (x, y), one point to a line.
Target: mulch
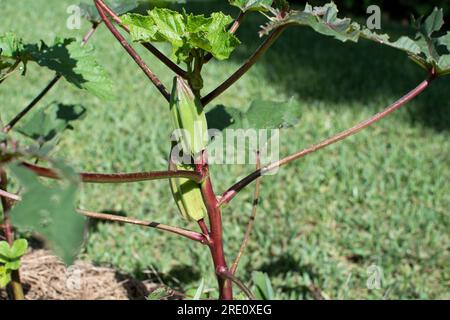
(45, 277)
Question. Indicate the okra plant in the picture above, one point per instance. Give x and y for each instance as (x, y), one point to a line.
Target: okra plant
(50, 209)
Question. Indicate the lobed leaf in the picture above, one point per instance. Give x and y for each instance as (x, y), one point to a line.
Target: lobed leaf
(66, 57)
(50, 211)
(324, 20)
(11, 53)
(252, 5)
(185, 32)
(259, 115)
(75, 63)
(49, 122)
(10, 256)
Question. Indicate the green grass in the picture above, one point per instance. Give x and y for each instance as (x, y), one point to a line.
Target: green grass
(381, 197)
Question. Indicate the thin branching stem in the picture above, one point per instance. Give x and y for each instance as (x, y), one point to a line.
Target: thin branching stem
(136, 57)
(234, 190)
(196, 236)
(268, 42)
(229, 276)
(251, 221)
(192, 235)
(32, 104)
(13, 69)
(15, 285)
(91, 177)
(9, 195)
(158, 54)
(46, 90)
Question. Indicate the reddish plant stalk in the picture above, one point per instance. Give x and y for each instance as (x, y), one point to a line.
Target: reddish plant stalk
(88, 177)
(244, 68)
(15, 285)
(192, 235)
(230, 276)
(136, 57)
(234, 190)
(216, 234)
(251, 221)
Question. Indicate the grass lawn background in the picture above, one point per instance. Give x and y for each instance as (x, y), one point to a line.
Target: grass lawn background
(381, 197)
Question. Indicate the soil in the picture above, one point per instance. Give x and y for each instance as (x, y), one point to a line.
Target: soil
(45, 277)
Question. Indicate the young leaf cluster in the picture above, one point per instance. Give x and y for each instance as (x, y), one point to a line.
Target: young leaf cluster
(10, 259)
(189, 35)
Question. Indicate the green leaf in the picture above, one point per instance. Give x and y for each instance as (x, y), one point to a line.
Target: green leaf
(13, 265)
(19, 248)
(185, 32)
(142, 28)
(10, 46)
(47, 123)
(76, 64)
(49, 210)
(199, 292)
(161, 25)
(403, 43)
(5, 251)
(325, 20)
(434, 22)
(11, 53)
(220, 43)
(10, 256)
(263, 287)
(252, 5)
(5, 276)
(445, 41)
(259, 115)
(158, 294)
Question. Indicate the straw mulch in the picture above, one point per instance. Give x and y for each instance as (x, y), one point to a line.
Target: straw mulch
(45, 277)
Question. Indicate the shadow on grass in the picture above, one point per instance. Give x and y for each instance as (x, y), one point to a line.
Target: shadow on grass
(287, 264)
(312, 67)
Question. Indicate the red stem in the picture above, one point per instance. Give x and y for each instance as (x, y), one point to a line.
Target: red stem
(245, 67)
(192, 235)
(7, 228)
(88, 177)
(136, 57)
(216, 246)
(15, 285)
(234, 190)
(251, 221)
